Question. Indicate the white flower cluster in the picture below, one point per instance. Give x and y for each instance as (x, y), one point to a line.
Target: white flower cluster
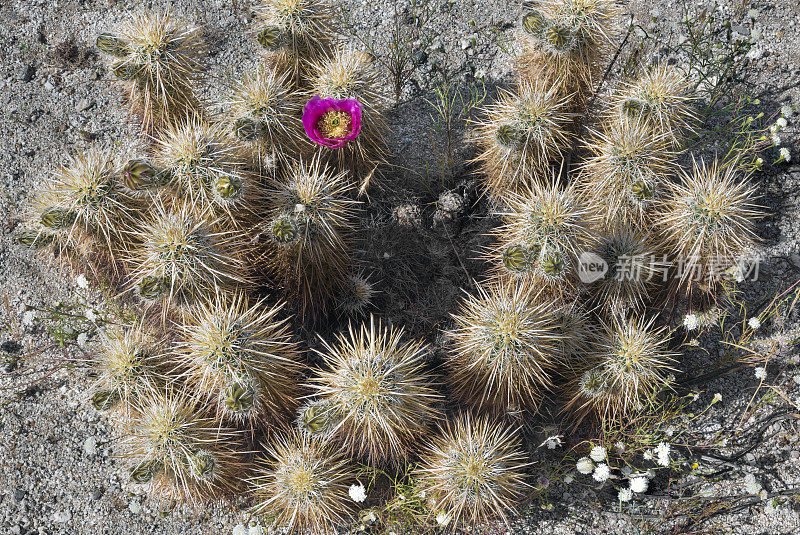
(691, 322)
(357, 493)
(784, 154)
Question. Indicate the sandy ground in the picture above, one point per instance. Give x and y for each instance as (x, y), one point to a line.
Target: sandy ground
(57, 472)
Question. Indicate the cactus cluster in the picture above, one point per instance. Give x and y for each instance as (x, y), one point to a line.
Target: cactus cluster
(229, 220)
(609, 223)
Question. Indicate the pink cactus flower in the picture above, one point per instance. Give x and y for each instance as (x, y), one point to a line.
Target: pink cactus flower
(331, 122)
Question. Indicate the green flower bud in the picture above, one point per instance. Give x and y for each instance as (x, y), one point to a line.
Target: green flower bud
(240, 397)
(202, 464)
(560, 37)
(533, 22)
(112, 45)
(284, 230)
(36, 240)
(507, 135)
(145, 471)
(518, 259)
(105, 400)
(642, 190)
(139, 175)
(552, 264)
(152, 288)
(635, 108)
(314, 419)
(246, 129)
(270, 38)
(125, 70)
(227, 187)
(58, 218)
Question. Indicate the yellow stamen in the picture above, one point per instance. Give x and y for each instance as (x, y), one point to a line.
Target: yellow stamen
(334, 124)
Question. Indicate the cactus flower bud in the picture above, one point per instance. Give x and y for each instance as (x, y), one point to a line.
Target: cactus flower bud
(270, 38)
(138, 175)
(284, 230)
(125, 70)
(246, 128)
(36, 240)
(145, 471)
(112, 45)
(226, 187)
(533, 22)
(58, 218)
(152, 288)
(105, 400)
(240, 396)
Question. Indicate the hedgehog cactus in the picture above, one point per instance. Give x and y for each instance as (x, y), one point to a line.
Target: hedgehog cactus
(563, 41)
(473, 472)
(299, 31)
(308, 217)
(626, 172)
(506, 345)
(707, 221)
(520, 135)
(303, 485)
(263, 115)
(633, 269)
(630, 364)
(131, 366)
(661, 99)
(86, 210)
(546, 229)
(156, 57)
(209, 171)
(380, 395)
(240, 357)
(348, 74)
(181, 453)
(179, 258)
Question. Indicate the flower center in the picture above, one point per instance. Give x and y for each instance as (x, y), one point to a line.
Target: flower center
(335, 124)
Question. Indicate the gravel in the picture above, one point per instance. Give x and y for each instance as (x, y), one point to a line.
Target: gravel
(58, 473)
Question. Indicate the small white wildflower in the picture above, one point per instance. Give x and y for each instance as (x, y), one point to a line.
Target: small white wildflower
(776, 139)
(82, 339)
(625, 495)
(752, 14)
(584, 465)
(648, 455)
(787, 111)
(639, 484)
(443, 519)
(782, 122)
(773, 128)
(357, 493)
(28, 317)
(769, 509)
(239, 529)
(796, 379)
(598, 454)
(691, 322)
(552, 442)
(751, 485)
(717, 398)
(601, 472)
(82, 282)
(761, 373)
(755, 34)
(620, 446)
(255, 530)
(662, 450)
(134, 507)
(785, 155)
(91, 315)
